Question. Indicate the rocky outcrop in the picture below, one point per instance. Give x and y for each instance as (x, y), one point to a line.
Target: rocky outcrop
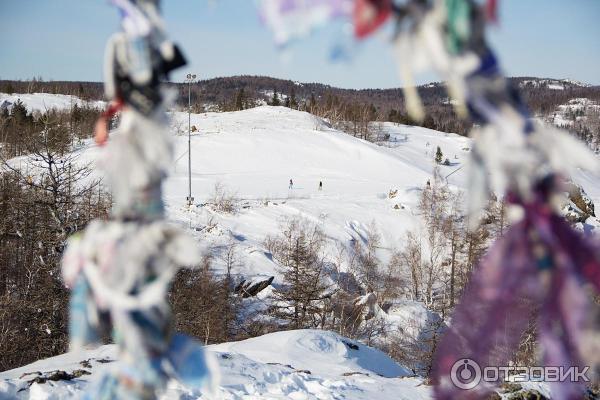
(367, 306)
(253, 286)
(580, 198)
(527, 395)
(579, 207)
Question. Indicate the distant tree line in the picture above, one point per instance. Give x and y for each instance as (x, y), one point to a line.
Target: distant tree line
(20, 128)
(242, 92)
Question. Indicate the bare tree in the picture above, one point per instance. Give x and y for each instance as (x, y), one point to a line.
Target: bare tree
(46, 196)
(223, 200)
(204, 305)
(364, 263)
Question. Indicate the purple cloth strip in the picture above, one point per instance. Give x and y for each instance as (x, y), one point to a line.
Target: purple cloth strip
(504, 294)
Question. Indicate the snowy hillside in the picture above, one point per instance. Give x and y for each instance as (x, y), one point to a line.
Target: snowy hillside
(552, 84)
(576, 110)
(252, 155)
(41, 102)
(304, 364)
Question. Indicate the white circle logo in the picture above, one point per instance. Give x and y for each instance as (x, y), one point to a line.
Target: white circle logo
(465, 374)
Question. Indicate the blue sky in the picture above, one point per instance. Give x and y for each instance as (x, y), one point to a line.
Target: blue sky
(64, 40)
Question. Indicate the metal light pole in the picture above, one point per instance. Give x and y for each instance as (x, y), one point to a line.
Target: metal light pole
(190, 78)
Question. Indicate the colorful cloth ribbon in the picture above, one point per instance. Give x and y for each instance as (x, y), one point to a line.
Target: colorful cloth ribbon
(120, 270)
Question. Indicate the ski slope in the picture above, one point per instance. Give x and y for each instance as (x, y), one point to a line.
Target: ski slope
(254, 153)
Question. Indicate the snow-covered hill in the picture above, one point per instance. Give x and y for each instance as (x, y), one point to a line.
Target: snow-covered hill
(552, 84)
(42, 102)
(253, 154)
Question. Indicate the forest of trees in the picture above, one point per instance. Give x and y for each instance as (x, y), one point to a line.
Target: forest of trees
(45, 196)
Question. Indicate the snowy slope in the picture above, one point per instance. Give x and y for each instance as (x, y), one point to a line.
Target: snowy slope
(254, 153)
(303, 364)
(330, 354)
(41, 102)
(300, 364)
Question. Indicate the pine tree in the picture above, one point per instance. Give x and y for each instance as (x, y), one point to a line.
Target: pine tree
(275, 102)
(80, 90)
(298, 251)
(19, 112)
(372, 112)
(439, 156)
(392, 115)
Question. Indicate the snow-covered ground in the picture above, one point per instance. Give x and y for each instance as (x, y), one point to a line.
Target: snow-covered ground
(253, 154)
(297, 365)
(302, 364)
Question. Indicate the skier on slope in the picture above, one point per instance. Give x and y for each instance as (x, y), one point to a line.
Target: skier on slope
(291, 184)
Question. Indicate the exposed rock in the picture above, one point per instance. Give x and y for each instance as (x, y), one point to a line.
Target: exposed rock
(57, 375)
(354, 373)
(579, 206)
(509, 387)
(251, 287)
(368, 306)
(573, 213)
(350, 345)
(528, 395)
